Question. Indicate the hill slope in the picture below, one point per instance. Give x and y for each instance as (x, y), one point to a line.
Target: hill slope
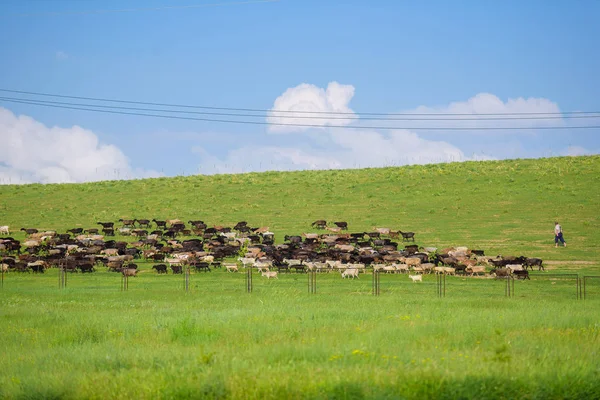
(504, 207)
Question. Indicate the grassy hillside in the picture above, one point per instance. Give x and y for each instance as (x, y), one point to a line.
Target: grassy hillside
(155, 341)
(504, 207)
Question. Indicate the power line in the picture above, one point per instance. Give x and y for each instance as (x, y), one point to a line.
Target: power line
(355, 117)
(126, 10)
(256, 110)
(301, 125)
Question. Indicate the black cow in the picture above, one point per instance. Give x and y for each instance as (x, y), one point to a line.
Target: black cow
(406, 236)
(160, 224)
(342, 224)
(160, 268)
(143, 223)
(534, 262)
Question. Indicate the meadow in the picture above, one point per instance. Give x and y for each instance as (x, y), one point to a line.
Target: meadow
(154, 341)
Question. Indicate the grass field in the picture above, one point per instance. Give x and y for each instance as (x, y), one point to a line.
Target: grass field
(155, 341)
(505, 207)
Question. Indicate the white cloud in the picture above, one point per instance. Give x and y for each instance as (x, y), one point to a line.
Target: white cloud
(61, 55)
(474, 109)
(292, 107)
(355, 147)
(32, 152)
(351, 149)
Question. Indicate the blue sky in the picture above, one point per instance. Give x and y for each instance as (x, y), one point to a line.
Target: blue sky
(395, 55)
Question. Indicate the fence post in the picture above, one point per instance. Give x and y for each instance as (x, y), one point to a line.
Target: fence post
(312, 282)
(186, 279)
(124, 282)
(441, 285)
(509, 289)
(249, 279)
(376, 283)
(2, 284)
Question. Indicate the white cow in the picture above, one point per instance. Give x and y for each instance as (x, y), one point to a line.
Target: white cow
(350, 272)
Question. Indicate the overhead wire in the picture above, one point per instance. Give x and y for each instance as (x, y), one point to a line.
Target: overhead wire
(258, 110)
(244, 122)
(316, 117)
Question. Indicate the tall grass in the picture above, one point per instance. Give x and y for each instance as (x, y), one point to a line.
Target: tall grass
(154, 341)
(91, 340)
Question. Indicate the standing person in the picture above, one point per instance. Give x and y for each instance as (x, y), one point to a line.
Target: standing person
(558, 235)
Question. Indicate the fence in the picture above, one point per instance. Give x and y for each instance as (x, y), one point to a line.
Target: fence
(62, 277)
(574, 277)
(312, 282)
(585, 279)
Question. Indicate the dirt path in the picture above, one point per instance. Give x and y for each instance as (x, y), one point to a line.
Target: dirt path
(570, 262)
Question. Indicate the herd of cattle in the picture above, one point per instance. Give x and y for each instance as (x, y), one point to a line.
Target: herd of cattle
(173, 244)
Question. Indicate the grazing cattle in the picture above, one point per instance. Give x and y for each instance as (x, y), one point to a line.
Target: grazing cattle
(108, 232)
(262, 266)
(106, 224)
(231, 267)
(406, 236)
(143, 223)
(29, 231)
(319, 224)
(242, 225)
(270, 274)
(247, 261)
(37, 266)
(515, 267)
(86, 267)
(129, 271)
(472, 270)
(534, 262)
(412, 261)
(350, 273)
(521, 274)
(139, 232)
(177, 269)
(92, 231)
(75, 231)
(501, 272)
(128, 223)
(160, 224)
(416, 278)
(293, 239)
(342, 225)
(4, 230)
(160, 268)
(382, 231)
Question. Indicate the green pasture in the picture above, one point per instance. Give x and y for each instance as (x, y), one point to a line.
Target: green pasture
(504, 207)
(91, 340)
(155, 341)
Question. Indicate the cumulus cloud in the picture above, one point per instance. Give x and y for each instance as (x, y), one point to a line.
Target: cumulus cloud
(33, 152)
(475, 113)
(350, 149)
(308, 104)
(358, 147)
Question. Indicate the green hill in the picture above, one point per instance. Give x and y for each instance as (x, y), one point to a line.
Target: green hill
(504, 207)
